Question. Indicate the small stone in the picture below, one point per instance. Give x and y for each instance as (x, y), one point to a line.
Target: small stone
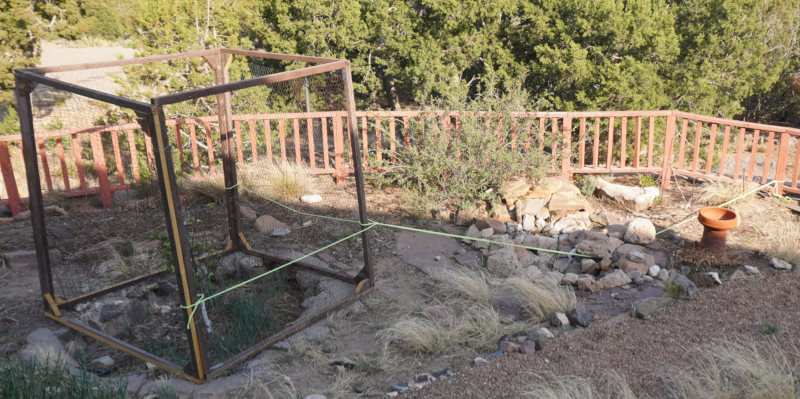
(688, 289)
(280, 231)
(648, 279)
(570, 278)
(399, 387)
(559, 319)
(437, 258)
(494, 354)
(714, 276)
(444, 373)
(653, 270)
(616, 279)
(639, 280)
(579, 317)
(360, 387)
(633, 274)
(529, 347)
(752, 270)
(311, 198)
(780, 264)
(103, 361)
(543, 332)
(479, 360)
(644, 308)
(663, 275)
(605, 264)
(509, 347)
(796, 269)
(247, 212)
(589, 266)
(392, 394)
(315, 396)
(640, 231)
(497, 226)
(423, 378)
(487, 232)
(737, 275)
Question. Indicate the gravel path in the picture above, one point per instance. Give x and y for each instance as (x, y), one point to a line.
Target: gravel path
(640, 351)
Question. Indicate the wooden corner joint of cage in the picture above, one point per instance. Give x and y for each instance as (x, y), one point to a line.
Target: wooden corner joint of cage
(52, 303)
(244, 241)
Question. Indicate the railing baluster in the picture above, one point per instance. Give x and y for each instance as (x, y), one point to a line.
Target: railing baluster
(195, 154)
(76, 151)
(780, 168)
(696, 153)
(296, 129)
(378, 142)
(210, 145)
(134, 153)
(179, 144)
(528, 131)
(9, 180)
(541, 136)
(637, 141)
(682, 145)
(393, 142)
(623, 141)
(739, 150)
(282, 138)
(581, 142)
(325, 155)
(406, 133)
(268, 137)
(753, 153)
(253, 142)
(725, 143)
(63, 162)
(610, 150)
(117, 157)
(45, 166)
(99, 158)
(711, 141)
(596, 148)
(796, 165)
(238, 141)
(365, 142)
(310, 131)
(770, 138)
(650, 138)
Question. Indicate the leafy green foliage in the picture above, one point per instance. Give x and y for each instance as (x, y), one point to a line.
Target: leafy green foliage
(51, 379)
(19, 47)
(647, 181)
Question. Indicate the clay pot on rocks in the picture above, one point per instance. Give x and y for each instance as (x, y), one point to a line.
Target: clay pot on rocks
(716, 223)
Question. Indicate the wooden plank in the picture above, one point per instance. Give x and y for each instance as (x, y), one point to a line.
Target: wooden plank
(278, 56)
(567, 137)
(581, 141)
(76, 151)
(195, 153)
(741, 124)
(406, 132)
(623, 141)
(378, 141)
(45, 165)
(682, 145)
(796, 165)
(723, 155)
(117, 158)
(767, 155)
(98, 155)
(338, 150)
(83, 91)
(637, 141)
(393, 142)
(63, 162)
(669, 144)
(134, 153)
(528, 131)
(296, 130)
(753, 153)
(554, 145)
(253, 142)
(282, 138)
(311, 149)
(8, 179)
(711, 142)
(148, 148)
(739, 150)
(696, 152)
(650, 139)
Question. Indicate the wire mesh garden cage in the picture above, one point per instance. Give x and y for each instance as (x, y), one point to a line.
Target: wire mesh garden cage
(202, 284)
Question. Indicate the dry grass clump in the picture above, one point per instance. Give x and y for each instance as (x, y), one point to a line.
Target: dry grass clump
(542, 299)
(581, 388)
(738, 370)
(423, 333)
(211, 185)
(786, 244)
(280, 181)
(474, 285)
(718, 192)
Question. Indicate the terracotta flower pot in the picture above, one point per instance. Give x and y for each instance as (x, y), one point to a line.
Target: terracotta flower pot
(716, 223)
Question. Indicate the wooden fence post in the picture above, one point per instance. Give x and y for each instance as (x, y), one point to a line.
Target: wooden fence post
(669, 137)
(566, 130)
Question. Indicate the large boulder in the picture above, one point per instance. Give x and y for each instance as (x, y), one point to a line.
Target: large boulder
(640, 231)
(594, 243)
(534, 207)
(545, 187)
(567, 198)
(538, 241)
(514, 188)
(638, 198)
(616, 279)
(645, 308)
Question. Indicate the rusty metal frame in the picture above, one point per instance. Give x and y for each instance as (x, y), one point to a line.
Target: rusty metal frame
(152, 120)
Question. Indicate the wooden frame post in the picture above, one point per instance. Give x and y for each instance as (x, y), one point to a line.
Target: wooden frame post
(356, 158)
(179, 247)
(23, 91)
(220, 63)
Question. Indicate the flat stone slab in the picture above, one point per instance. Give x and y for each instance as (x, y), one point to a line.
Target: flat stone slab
(420, 250)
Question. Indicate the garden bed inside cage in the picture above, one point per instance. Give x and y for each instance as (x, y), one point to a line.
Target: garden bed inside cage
(211, 257)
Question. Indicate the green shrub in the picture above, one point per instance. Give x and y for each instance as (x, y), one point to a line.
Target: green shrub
(587, 184)
(458, 167)
(647, 181)
(51, 379)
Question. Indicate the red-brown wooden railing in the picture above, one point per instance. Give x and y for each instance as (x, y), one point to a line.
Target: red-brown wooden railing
(666, 143)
